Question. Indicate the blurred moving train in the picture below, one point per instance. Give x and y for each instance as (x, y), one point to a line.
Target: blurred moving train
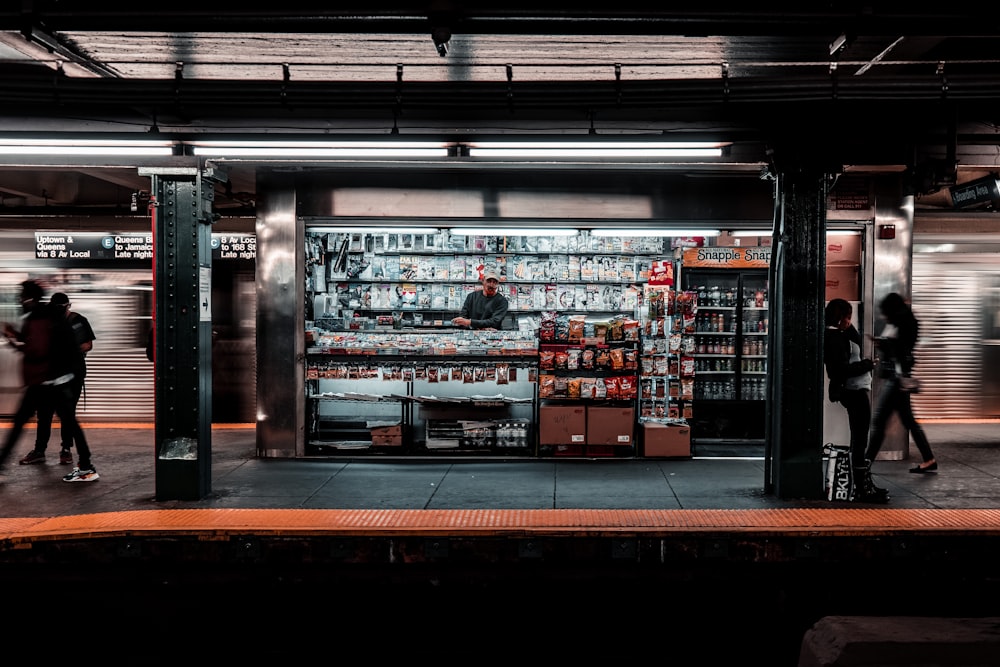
(117, 297)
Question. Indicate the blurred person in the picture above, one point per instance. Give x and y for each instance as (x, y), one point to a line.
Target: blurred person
(84, 337)
(486, 308)
(47, 347)
(897, 361)
(850, 385)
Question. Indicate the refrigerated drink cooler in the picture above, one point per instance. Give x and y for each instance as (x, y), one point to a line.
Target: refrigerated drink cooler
(729, 350)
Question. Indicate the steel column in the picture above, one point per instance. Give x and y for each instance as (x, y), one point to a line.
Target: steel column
(181, 205)
(796, 365)
(280, 319)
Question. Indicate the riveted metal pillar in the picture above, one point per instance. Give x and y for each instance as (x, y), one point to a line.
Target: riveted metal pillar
(181, 204)
(798, 276)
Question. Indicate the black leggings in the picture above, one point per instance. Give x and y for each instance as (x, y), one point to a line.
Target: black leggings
(894, 399)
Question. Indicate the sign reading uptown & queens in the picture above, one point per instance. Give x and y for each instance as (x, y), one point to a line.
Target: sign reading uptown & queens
(728, 257)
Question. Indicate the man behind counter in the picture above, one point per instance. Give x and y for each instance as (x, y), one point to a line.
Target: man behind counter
(486, 308)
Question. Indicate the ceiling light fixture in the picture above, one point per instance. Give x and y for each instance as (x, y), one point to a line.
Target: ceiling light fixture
(595, 149)
(65, 147)
(750, 232)
(307, 149)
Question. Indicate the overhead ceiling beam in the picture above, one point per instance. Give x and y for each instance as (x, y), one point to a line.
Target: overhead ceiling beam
(708, 18)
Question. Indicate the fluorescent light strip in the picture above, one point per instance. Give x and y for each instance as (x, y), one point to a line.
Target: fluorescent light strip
(507, 231)
(842, 232)
(586, 149)
(85, 147)
(750, 232)
(320, 148)
(657, 232)
(374, 230)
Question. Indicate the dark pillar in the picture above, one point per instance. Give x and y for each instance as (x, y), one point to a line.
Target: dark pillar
(798, 282)
(181, 205)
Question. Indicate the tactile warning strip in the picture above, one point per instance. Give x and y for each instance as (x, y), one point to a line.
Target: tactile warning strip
(491, 523)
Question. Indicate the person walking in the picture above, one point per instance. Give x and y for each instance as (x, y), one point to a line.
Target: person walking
(486, 308)
(850, 385)
(84, 337)
(896, 348)
(46, 343)
(32, 342)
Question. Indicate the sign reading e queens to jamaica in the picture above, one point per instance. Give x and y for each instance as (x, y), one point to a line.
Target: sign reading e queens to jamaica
(75, 246)
(728, 257)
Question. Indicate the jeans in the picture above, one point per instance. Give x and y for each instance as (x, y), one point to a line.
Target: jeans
(857, 402)
(43, 429)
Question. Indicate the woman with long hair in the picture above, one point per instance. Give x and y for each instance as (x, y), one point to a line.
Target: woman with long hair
(896, 347)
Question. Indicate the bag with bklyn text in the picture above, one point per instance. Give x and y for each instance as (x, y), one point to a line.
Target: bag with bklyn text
(839, 472)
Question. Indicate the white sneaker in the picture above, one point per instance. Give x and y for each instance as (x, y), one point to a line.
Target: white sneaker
(88, 475)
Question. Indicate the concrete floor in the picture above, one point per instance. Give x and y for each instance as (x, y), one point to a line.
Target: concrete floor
(968, 456)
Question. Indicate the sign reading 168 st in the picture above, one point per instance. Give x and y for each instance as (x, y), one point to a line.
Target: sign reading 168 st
(72, 246)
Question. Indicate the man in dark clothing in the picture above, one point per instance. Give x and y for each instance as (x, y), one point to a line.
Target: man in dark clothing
(84, 339)
(486, 308)
(46, 343)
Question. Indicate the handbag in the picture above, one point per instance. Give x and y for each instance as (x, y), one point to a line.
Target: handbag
(909, 384)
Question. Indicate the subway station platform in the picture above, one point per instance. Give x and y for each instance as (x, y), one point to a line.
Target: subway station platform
(680, 552)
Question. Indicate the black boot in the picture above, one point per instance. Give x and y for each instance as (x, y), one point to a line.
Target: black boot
(865, 490)
(871, 480)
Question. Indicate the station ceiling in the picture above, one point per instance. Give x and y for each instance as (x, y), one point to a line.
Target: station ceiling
(862, 83)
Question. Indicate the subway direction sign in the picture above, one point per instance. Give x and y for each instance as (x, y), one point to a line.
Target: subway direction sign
(980, 192)
(80, 246)
(234, 246)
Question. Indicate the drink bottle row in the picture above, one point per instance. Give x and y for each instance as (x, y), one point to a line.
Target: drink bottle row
(727, 345)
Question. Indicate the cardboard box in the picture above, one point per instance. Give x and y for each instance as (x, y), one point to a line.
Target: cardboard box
(562, 425)
(663, 440)
(843, 249)
(842, 282)
(387, 435)
(610, 426)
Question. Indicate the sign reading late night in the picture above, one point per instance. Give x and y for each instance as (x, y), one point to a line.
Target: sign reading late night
(234, 246)
(85, 246)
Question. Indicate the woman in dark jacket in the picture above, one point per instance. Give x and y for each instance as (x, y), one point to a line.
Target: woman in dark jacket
(850, 385)
(896, 347)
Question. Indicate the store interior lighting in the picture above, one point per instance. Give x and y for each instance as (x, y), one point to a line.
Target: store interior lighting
(108, 147)
(372, 230)
(750, 232)
(659, 232)
(511, 231)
